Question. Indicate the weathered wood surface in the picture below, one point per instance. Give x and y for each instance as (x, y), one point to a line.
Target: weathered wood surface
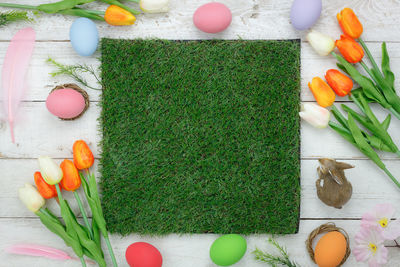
(40, 133)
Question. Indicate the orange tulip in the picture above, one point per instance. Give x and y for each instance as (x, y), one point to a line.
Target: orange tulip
(71, 179)
(83, 156)
(350, 49)
(349, 23)
(322, 92)
(47, 191)
(339, 82)
(118, 16)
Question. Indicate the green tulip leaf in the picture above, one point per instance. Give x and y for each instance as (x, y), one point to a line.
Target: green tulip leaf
(389, 76)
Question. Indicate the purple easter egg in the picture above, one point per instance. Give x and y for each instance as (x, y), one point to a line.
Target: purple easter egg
(304, 13)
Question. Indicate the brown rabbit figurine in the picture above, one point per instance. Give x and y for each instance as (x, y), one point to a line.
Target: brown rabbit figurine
(332, 186)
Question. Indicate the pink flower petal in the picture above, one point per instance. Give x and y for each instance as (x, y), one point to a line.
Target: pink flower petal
(384, 211)
(361, 253)
(392, 231)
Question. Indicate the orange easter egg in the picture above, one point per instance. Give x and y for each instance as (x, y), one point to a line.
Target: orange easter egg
(330, 249)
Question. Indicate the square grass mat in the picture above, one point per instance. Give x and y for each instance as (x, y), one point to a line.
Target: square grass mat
(200, 136)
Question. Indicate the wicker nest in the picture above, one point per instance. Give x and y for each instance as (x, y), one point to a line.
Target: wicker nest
(79, 90)
(326, 228)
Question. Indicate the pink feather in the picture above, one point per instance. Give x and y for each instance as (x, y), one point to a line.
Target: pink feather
(38, 251)
(15, 67)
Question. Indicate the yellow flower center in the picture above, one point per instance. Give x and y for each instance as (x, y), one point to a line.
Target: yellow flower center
(383, 222)
(372, 247)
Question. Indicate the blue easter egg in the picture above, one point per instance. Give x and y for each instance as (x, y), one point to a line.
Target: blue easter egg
(305, 13)
(84, 36)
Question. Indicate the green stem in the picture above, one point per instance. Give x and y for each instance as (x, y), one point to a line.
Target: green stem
(391, 177)
(366, 68)
(134, 1)
(371, 59)
(395, 113)
(111, 251)
(60, 198)
(78, 199)
(96, 12)
(18, 6)
(83, 262)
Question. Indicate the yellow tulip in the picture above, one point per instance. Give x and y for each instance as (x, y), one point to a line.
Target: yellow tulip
(31, 197)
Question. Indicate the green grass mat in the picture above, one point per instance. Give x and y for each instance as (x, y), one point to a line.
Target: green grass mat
(200, 136)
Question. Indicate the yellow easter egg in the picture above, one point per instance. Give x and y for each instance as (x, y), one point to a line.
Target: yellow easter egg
(330, 249)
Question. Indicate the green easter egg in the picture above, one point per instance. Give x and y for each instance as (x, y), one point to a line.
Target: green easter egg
(228, 249)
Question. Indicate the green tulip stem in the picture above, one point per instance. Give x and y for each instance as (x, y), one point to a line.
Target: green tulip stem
(85, 218)
(114, 260)
(392, 177)
(60, 198)
(83, 262)
(371, 59)
(395, 113)
(366, 68)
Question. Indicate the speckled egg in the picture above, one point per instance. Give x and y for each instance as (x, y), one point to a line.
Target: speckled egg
(305, 13)
(228, 249)
(84, 36)
(66, 103)
(330, 249)
(212, 17)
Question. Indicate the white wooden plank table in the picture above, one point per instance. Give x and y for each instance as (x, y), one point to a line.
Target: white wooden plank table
(40, 133)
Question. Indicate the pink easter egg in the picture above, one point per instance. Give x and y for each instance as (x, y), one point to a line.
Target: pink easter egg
(65, 103)
(212, 17)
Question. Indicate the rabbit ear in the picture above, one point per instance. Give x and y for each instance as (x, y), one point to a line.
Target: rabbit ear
(337, 176)
(343, 165)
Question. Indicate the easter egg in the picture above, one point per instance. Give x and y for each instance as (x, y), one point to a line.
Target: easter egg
(84, 36)
(330, 249)
(142, 254)
(304, 13)
(66, 103)
(212, 17)
(228, 249)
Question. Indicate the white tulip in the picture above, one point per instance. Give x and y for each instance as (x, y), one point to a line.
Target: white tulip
(50, 171)
(154, 6)
(322, 44)
(315, 115)
(31, 197)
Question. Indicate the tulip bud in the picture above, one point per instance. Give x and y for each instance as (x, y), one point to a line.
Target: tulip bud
(322, 44)
(71, 179)
(349, 23)
(322, 92)
(31, 197)
(83, 156)
(154, 6)
(350, 49)
(47, 191)
(339, 82)
(118, 16)
(51, 172)
(315, 115)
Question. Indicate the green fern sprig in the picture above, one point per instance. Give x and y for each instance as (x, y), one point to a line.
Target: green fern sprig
(275, 261)
(75, 71)
(8, 17)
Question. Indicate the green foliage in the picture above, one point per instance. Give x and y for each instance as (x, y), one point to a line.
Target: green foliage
(8, 17)
(74, 71)
(200, 136)
(275, 261)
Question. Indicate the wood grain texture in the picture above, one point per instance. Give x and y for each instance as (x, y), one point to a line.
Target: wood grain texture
(254, 19)
(177, 251)
(40, 133)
